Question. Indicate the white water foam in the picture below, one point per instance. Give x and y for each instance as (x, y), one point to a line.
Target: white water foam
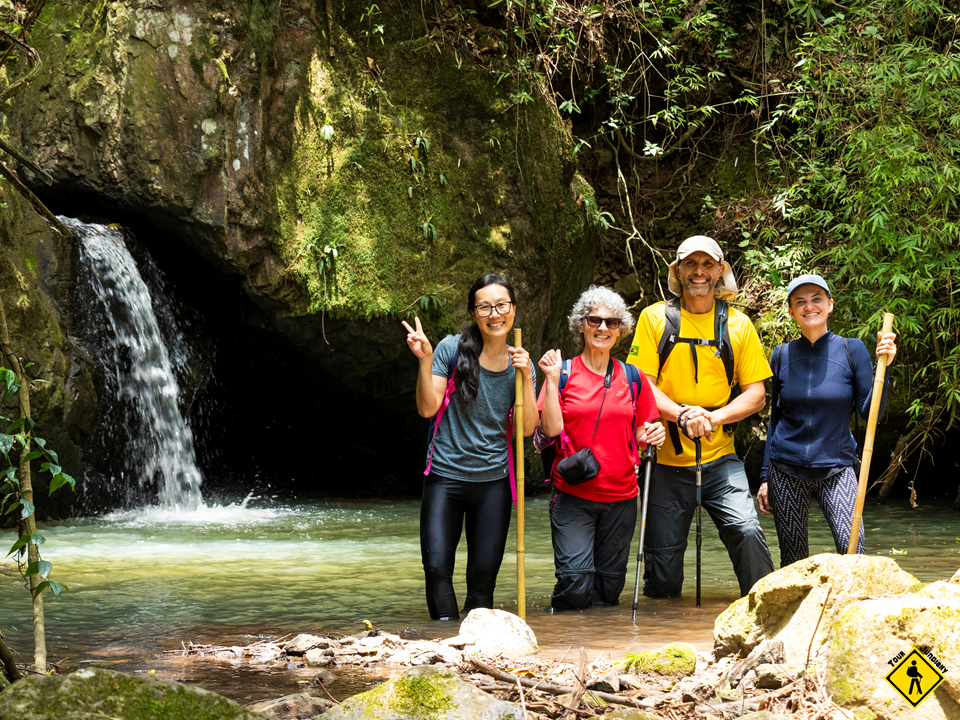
(202, 515)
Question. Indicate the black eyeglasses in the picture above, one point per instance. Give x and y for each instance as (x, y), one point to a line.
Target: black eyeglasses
(596, 321)
(502, 308)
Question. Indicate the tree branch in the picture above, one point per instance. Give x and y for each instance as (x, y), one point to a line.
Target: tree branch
(27, 162)
(552, 689)
(34, 200)
(17, 86)
(9, 662)
(662, 156)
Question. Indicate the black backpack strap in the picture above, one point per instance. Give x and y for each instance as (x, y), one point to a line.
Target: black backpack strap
(671, 332)
(775, 383)
(633, 379)
(721, 331)
(856, 410)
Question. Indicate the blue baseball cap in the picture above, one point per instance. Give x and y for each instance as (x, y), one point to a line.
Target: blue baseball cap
(807, 280)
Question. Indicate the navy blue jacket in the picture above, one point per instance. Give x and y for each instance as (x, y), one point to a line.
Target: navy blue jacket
(814, 392)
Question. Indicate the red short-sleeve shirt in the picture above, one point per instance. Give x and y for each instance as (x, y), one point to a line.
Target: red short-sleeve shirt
(580, 403)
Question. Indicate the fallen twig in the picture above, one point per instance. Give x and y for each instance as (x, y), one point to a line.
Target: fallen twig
(552, 689)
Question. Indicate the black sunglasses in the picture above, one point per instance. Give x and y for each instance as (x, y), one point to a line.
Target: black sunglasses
(596, 321)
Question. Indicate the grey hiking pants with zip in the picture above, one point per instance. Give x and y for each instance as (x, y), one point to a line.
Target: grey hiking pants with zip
(673, 500)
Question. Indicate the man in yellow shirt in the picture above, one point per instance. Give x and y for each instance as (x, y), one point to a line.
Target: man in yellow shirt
(693, 368)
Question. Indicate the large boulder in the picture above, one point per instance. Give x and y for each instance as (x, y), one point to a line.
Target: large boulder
(802, 600)
(97, 693)
(424, 693)
(498, 632)
(868, 634)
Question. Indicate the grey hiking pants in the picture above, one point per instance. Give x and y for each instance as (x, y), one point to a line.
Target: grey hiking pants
(673, 500)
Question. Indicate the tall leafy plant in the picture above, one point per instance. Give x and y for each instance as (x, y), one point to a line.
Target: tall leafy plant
(865, 159)
(20, 447)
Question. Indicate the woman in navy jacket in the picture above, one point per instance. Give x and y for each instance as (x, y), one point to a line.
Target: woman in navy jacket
(817, 380)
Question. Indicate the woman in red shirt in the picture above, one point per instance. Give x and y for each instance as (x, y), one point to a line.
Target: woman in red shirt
(609, 407)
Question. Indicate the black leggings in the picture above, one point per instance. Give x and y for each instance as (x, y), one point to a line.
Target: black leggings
(487, 509)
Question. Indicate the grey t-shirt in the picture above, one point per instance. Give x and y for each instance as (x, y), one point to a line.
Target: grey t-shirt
(471, 443)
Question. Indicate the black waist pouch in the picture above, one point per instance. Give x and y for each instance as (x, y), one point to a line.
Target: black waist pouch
(579, 467)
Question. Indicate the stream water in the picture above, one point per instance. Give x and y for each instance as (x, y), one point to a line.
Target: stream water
(144, 581)
(177, 570)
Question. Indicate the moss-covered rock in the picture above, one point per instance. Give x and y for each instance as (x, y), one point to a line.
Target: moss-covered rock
(675, 659)
(344, 193)
(801, 600)
(99, 693)
(35, 269)
(868, 634)
(630, 714)
(424, 693)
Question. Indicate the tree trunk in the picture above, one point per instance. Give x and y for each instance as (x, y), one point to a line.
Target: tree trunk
(902, 450)
(8, 663)
(26, 493)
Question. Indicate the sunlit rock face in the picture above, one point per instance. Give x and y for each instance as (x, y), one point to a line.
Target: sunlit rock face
(344, 181)
(315, 184)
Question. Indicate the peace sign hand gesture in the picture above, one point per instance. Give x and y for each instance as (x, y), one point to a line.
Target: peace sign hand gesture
(417, 340)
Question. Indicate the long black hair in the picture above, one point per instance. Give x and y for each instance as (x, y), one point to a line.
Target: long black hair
(471, 341)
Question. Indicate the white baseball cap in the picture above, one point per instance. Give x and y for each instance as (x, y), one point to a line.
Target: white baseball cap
(726, 288)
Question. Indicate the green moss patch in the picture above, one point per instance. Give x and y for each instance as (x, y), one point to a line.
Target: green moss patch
(675, 660)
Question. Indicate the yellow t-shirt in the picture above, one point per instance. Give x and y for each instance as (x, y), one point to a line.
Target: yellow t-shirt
(677, 378)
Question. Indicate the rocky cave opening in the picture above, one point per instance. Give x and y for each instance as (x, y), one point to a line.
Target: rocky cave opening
(267, 417)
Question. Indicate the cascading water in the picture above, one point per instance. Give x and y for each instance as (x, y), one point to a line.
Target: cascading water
(138, 370)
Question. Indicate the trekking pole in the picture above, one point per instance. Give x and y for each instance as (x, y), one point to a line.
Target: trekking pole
(696, 441)
(518, 424)
(648, 458)
(868, 441)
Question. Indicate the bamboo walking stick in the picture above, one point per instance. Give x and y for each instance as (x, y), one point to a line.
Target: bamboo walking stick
(518, 425)
(868, 440)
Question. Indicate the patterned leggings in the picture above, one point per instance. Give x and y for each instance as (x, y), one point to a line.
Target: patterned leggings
(790, 498)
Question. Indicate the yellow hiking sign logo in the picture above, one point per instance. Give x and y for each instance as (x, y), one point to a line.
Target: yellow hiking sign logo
(915, 675)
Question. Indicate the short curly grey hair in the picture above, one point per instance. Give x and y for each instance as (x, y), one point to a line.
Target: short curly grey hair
(596, 297)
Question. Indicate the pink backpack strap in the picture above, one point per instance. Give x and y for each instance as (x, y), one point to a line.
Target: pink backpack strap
(451, 388)
(510, 469)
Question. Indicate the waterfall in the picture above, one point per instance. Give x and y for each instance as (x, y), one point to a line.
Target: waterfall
(159, 448)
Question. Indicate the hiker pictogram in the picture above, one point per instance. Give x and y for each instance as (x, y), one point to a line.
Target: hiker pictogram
(914, 676)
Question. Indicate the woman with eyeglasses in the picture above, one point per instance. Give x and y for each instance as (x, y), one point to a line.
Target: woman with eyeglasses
(468, 386)
(607, 406)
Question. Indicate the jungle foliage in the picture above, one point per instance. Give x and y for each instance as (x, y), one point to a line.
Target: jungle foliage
(852, 115)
